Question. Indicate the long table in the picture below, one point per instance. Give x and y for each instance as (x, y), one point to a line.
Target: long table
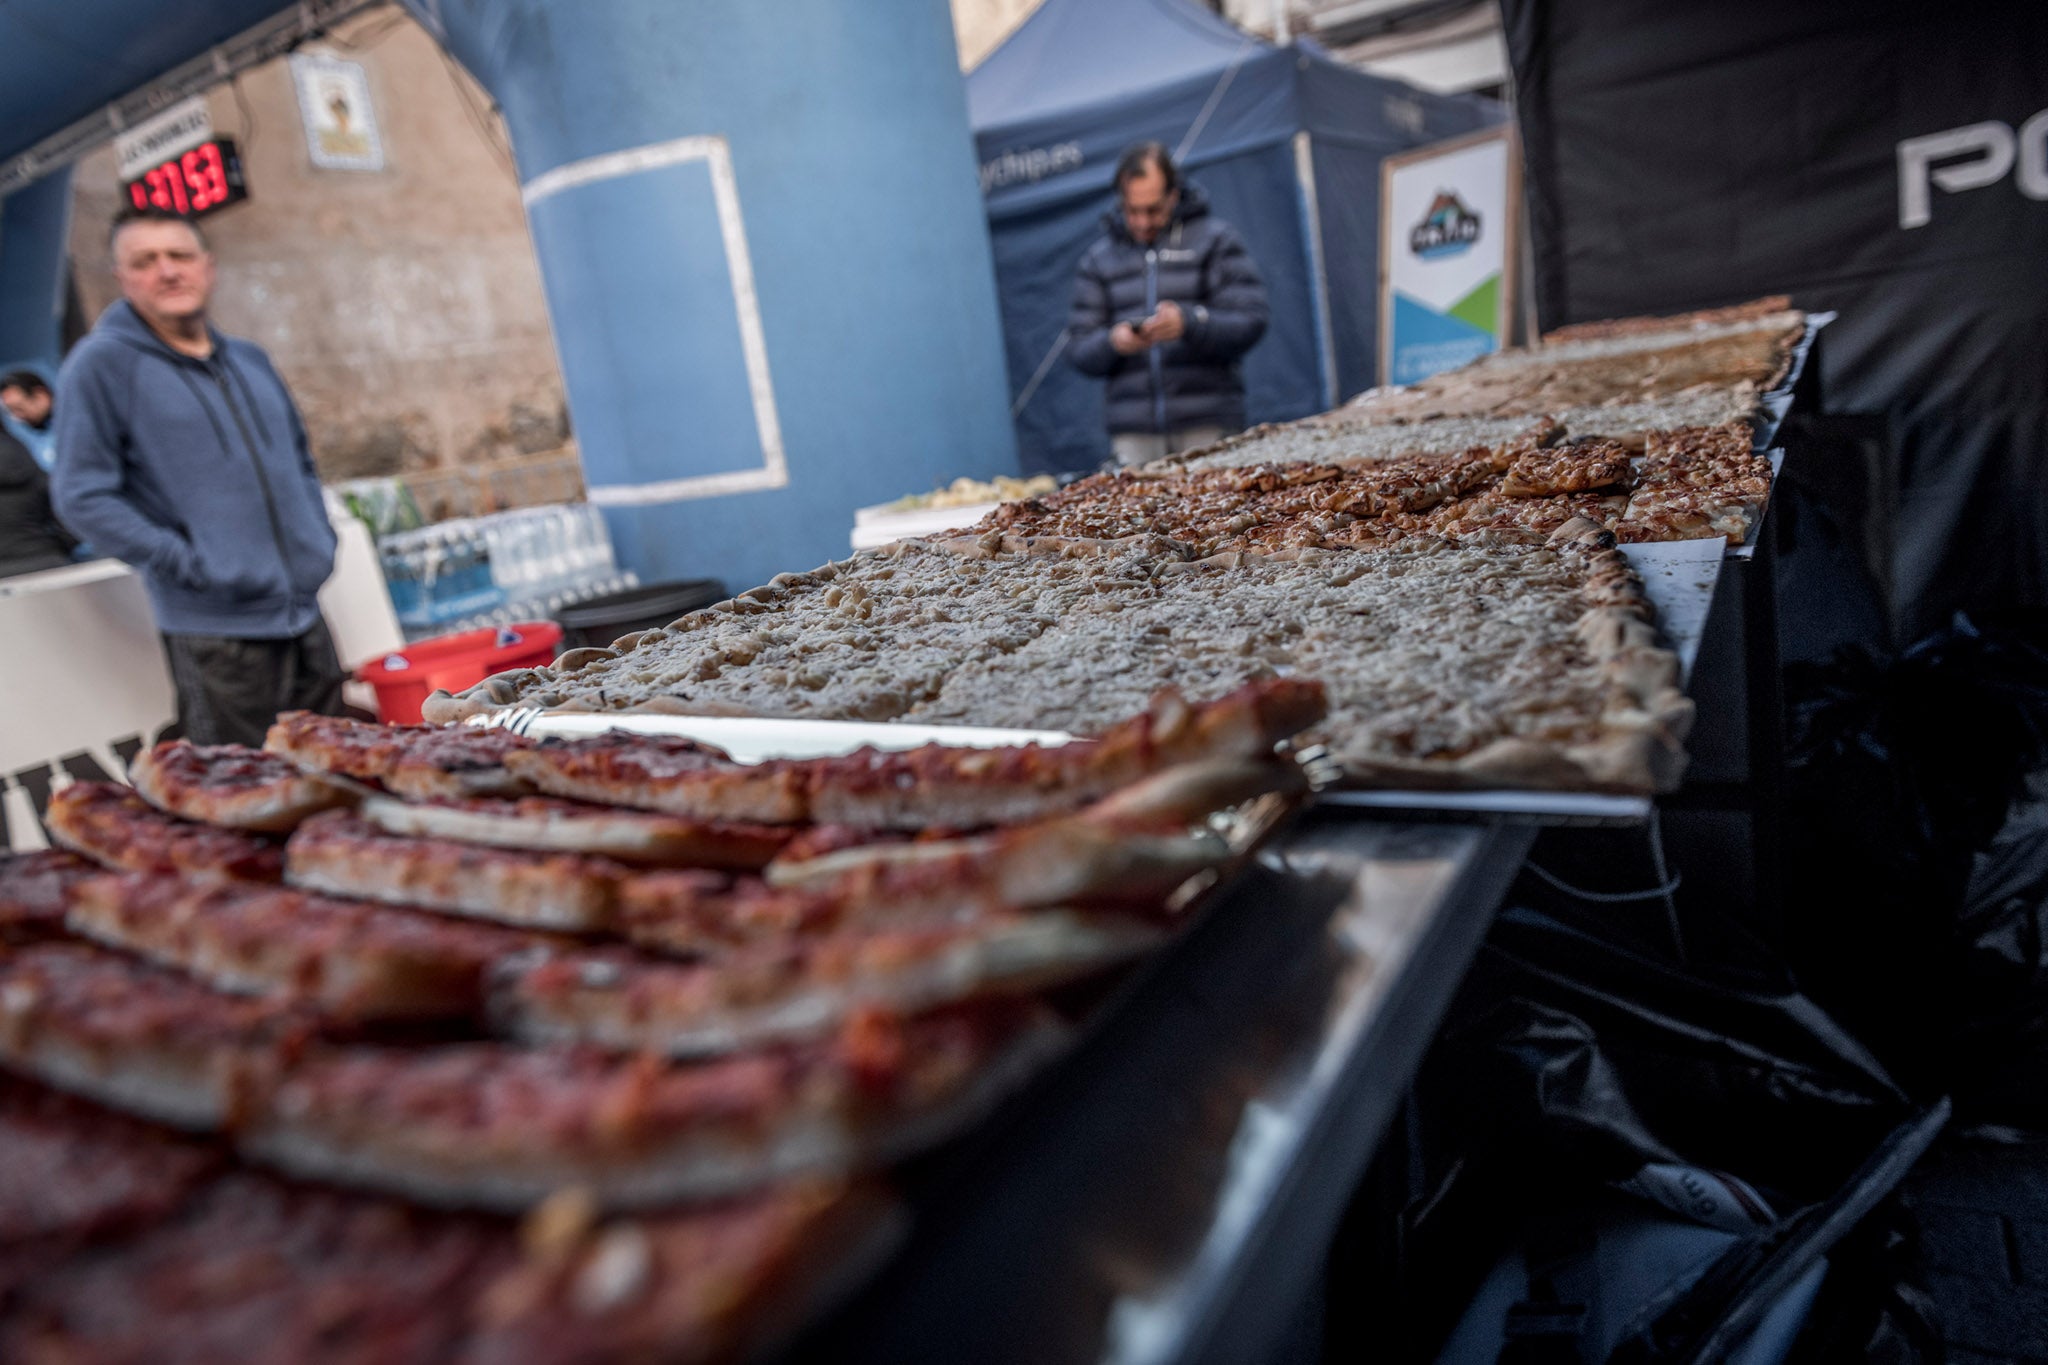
(1168, 1192)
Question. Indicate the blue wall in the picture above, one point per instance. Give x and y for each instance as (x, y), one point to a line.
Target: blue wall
(854, 177)
(34, 222)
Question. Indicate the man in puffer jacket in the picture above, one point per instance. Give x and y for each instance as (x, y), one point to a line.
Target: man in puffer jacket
(180, 451)
(1164, 305)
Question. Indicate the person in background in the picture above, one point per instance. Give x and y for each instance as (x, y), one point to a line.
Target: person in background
(30, 538)
(181, 451)
(25, 398)
(1165, 304)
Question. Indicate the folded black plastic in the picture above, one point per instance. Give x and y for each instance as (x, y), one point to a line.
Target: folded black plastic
(1579, 1076)
(1917, 858)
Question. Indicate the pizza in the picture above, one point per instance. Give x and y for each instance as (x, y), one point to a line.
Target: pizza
(549, 824)
(35, 890)
(227, 784)
(1445, 663)
(1590, 370)
(485, 1125)
(865, 639)
(350, 961)
(412, 760)
(1462, 662)
(249, 1268)
(136, 1038)
(1489, 515)
(1207, 511)
(342, 854)
(71, 1171)
(933, 784)
(1338, 438)
(113, 826)
(717, 1282)
(1772, 308)
(668, 774)
(702, 914)
(782, 991)
(1575, 467)
(1695, 483)
(1130, 853)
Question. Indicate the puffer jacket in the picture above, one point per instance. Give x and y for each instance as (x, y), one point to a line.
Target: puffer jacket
(1199, 262)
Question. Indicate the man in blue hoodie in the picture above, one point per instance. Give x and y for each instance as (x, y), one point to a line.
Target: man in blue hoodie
(180, 451)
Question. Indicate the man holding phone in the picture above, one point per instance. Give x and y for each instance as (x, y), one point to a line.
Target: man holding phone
(1165, 304)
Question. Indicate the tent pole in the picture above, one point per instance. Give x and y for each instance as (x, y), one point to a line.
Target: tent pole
(1319, 291)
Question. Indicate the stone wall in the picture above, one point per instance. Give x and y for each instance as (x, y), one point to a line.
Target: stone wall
(404, 307)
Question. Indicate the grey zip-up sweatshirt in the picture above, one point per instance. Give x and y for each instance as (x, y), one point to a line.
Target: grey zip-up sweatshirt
(195, 472)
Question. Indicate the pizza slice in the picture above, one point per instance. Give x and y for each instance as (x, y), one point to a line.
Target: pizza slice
(343, 854)
(1678, 512)
(549, 824)
(934, 784)
(251, 1268)
(722, 1282)
(136, 1038)
(699, 913)
(1575, 467)
(73, 1170)
(778, 992)
(353, 962)
(490, 1126)
(35, 889)
(229, 785)
(113, 826)
(412, 760)
(667, 774)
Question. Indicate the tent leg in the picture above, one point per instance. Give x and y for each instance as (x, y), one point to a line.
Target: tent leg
(1319, 291)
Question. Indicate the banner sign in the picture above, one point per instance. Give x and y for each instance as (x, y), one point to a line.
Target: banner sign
(1447, 234)
(157, 139)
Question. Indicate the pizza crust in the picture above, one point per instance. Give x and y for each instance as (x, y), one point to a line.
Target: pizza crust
(781, 994)
(173, 777)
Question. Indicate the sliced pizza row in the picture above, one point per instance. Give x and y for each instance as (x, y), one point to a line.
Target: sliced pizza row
(123, 1241)
(791, 999)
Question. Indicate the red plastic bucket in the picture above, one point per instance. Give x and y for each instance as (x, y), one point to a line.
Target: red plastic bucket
(403, 680)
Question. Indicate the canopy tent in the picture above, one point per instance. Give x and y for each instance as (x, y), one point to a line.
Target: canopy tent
(1286, 142)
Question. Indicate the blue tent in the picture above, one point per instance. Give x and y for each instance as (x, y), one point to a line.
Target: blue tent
(1286, 142)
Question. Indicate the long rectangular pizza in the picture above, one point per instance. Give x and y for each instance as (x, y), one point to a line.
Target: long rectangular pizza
(1445, 663)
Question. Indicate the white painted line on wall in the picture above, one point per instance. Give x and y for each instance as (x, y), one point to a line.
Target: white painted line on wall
(716, 152)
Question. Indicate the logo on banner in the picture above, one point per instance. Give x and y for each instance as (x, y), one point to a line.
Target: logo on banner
(1992, 149)
(1448, 229)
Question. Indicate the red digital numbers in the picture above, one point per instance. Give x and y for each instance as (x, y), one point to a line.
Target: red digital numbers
(194, 183)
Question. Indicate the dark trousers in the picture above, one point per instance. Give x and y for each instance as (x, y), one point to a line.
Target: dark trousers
(230, 690)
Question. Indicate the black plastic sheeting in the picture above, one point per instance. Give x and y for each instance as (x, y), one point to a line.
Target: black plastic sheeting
(1575, 1058)
(1917, 810)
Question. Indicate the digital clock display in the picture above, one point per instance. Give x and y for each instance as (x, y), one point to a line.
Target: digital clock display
(193, 183)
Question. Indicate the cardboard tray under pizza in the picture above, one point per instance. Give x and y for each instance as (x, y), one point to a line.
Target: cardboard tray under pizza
(1679, 576)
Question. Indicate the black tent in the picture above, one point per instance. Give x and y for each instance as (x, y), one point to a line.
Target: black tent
(1888, 161)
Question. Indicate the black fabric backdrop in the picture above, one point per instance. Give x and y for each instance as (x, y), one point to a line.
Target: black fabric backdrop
(1685, 155)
